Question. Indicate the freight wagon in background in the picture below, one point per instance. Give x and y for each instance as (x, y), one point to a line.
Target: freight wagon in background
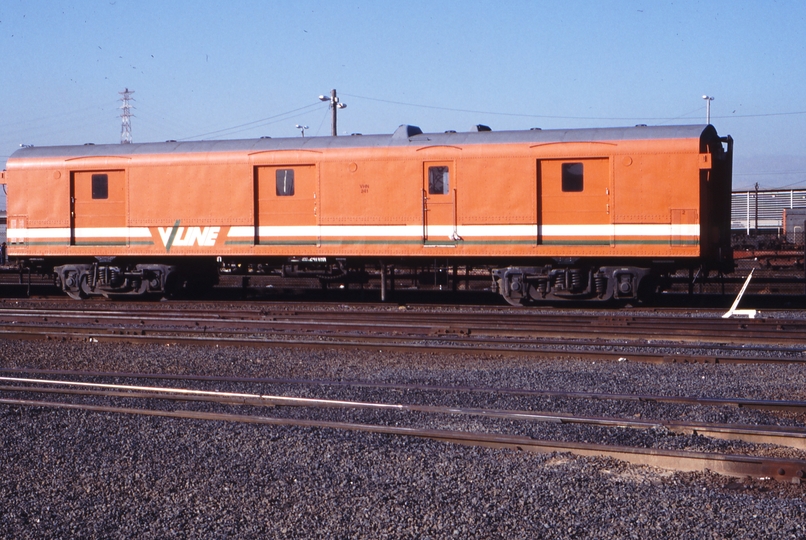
(766, 211)
(589, 214)
(794, 225)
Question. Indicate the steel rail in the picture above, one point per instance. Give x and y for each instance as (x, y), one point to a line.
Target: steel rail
(727, 464)
(488, 318)
(209, 326)
(673, 329)
(399, 343)
(793, 437)
(759, 404)
(192, 324)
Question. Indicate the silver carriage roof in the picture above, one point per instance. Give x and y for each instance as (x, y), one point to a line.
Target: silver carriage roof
(405, 135)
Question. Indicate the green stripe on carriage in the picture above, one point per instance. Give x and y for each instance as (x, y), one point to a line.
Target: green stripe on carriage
(85, 244)
(659, 242)
(42, 243)
(371, 242)
(528, 242)
(105, 243)
(288, 243)
(575, 243)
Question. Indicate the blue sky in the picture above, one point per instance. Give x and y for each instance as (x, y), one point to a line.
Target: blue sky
(248, 68)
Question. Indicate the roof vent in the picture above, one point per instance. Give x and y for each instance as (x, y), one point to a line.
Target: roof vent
(405, 131)
(535, 129)
(480, 127)
(640, 125)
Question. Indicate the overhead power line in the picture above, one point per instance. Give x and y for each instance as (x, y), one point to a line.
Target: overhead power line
(524, 115)
(768, 173)
(256, 123)
(52, 118)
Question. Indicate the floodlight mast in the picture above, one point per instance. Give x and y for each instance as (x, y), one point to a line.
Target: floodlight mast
(335, 104)
(708, 100)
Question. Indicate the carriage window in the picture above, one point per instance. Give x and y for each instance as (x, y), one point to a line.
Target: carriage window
(100, 186)
(438, 178)
(572, 176)
(285, 182)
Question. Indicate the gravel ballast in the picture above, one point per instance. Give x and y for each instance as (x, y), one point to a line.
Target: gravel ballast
(71, 474)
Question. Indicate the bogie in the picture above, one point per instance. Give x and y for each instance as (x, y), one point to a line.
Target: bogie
(81, 281)
(526, 285)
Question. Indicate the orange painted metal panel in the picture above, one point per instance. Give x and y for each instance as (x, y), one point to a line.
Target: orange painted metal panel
(98, 208)
(439, 202)
(45, 200)
(371, 191)
(493, 190)
(589, 205)
(369, 200)
(196, 191)
(91, 209)
(285, 196)
(647, 186)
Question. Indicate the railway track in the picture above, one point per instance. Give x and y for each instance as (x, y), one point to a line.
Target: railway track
(641, 337)
(500, 332)
(87, 390)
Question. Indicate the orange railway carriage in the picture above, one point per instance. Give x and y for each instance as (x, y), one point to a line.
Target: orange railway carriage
(584, 213)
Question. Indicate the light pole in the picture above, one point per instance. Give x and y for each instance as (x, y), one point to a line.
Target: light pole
(708, 100)
(302, 129)
(335, 104)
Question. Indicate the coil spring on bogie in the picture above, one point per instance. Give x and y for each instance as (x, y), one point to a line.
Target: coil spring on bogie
(576, 279)
(600, 282)
(115, 278)
(559, 282)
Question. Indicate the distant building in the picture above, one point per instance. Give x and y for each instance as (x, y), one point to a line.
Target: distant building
(771, 206)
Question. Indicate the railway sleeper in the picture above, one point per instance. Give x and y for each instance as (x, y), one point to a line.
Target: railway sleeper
(526, 285)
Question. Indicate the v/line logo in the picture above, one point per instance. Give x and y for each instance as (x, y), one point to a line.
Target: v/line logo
(188, 236)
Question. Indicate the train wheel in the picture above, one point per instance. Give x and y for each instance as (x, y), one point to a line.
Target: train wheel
(517, 302)
(75, 286)
(513, 298)
(84, 285)
(75, 295)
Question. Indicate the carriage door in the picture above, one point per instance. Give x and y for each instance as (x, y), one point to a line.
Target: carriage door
(98, 208)
(439, 203)
(574, 202)
(285, 205)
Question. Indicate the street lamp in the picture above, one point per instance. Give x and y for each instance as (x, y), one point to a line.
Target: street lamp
(708, 100)
(302, 129)
(335, 105)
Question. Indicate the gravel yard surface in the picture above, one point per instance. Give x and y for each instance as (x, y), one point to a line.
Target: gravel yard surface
(78, 474)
